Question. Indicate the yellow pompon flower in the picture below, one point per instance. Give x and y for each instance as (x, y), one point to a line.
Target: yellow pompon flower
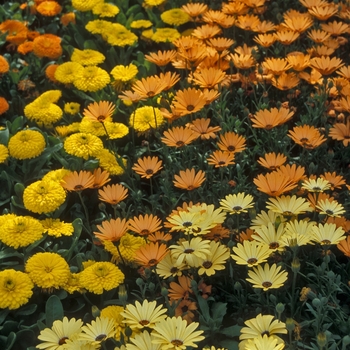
(73, 284)
(4, 153)
(103, 9)
(15, 289)
(72, 108)
(65, 72)
(48, 270)
(101, 276)
(91, 78)
(124, 73)
(128, 245)
(164, 35)
(175, 16)
(87, 57)
(118, 35)
(83, 145)
(141, 23)
(21, 231)
(116, 130)
(113, 312)
(57, 228)
(43, 196)
(85, 5)
(146, 118)
(111, 162)
(56, 175)
(145, 315)
(26, 144)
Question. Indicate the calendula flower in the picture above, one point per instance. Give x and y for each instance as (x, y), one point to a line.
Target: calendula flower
(327, 234)
(4, 153)
(112, 194)
(330, 208)
(99, 111)
(141, 23)
(251, 253)
(49, 8)
(145, 224)
(176, 334)
(188, 179)
(237, 203)
(175, 17)
(4, 65)
(111, 162)
(97, 331)
(216, 260)
(65, 72)
(72, 108)
(87, 57)
(267, 277)
(55, 338)
(83, 145)
(124, 73)
(103, 9)
(4, 106)
(147, 166)
(118, 35)
(288, 205)
(57, 228)
(48, 270)
(16, 288)
(128, 245)
(91, 79)
(146, 118)
(85, 5)
(47, 45)
(43, 196)
(78, 181)
(26, 144)
(101, 276)
(163, 35)
(67, 18)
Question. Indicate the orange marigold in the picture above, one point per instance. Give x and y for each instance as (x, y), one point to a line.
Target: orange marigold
(47, 45)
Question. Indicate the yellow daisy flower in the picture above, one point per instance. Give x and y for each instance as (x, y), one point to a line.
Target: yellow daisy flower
(327, 234)
(250, 253)
(237, 203)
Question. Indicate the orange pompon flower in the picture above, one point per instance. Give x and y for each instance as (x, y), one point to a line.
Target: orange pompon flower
(161, 58)
(231, 142)
(188, 179)
(16, 31)
(202, 129)
(221, 159)
(25, 47)
(208, 78)
(285, 81)
(145, 225)
(306, 136)
(341, 132)
(147, 166)
(188, 101)
(77, 182)
(336, 181)
(276, 66)
(272, 161)
(50, 72)
(112, 194)
(99, 111)
(67, 18)
(112, 230)
(326, 65)
(101, 177)
(151, 254)
(4, 106)
(4, 65)
(274, 184)
(149, 86)
(286, 37)
(178, 136)
(344, 246)
(206, 31)
(47, 45)
(49, 8)
(268, 119)
(195, 9)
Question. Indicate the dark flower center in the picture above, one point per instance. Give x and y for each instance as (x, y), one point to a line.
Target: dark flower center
(144, 322)
(101, 337)
(326, 241)
(101, 118)
(329, 212)
(237, 208)
(150, 93)
(145, 232)
(221, 162)
(266, 332)
(187, 224)
(180, 143)
(188, 251)
(190, 108)
(176, 342)
(231, 148)
(149, 171)
(274, 245)
(252, 261)
(207, 264)
(62, 341)
(152, 262)
(266, 284)
(184, 309)
(174, 269)
(78, 187)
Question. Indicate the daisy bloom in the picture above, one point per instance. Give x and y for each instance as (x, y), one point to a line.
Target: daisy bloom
(99, 111)
(231, 142)
(272, 160)
(178, 136)
(268, 119)
(147, 166)
(144, 225)
(344, 246)
(270, 235)
(142, 341)
(112, 230)
(216, 260)
(341, 132)
(237, 203)
(99, 330)
(188, 101)
(221, 159)
(170, 267)
(202, 129)
(48, 270)
(145, 315)
(161, 58)
(250, 253)
(267, 277)
(149, 86)
(176, 334)
(112, 194)
(297, 233)
(208, 78)
(335, 180)
(326, 65)
(293, 172)
(306, 136)
(151, 254)
(78, 181)
(330, 208)
(263, 342)
(288, 205)
(188, 179)
(327, 234)
(15, 288)
(316, 185)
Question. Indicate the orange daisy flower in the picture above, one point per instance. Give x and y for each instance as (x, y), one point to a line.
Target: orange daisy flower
(323, 12)
(220, 44)
(344, 72)
(145, 225)
(112, 194)
(151, 254)
(247, 22)
(188, 101)
(274, 184)
(160, 237)
(344, 246)
(99, 111)
(265, 40)
(149, 86)
(311, 3)
(129, 96)
(189, 180)
(335, 28)
(293, 172)
(208, 78)
(221, 159)
(147, 166)
(286, 37)
(285, 81)
(336, 181)
(298, 23)
(217, 233)
(170, 79)
(184, 309)
(231, 142)
(268, 119)
(161, 58)
(178, 136)
(264, 26)
(195, 9)
(202, 129)
(306, 136)
(272, 161)
(242, 61)
(298, 61)
(314, 198)
(101, 177)
(318, 36)
(112, 230)
(326, 65)
(341, 132)
(181, 290)
(75, 181)
(206, 31)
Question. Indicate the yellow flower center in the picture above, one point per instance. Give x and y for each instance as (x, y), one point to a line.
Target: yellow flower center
(9, 285)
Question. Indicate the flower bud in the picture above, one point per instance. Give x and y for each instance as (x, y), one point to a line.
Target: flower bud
(321, 340)
(295, 265)
(290, 324)
(95, 311)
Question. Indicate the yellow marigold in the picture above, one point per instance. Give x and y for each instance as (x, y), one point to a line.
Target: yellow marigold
(65, 130)
(48, 270)
(73, 284)
(21, 231)
(91, 78)
(108, 161)
(65, 72)
(124, 73)
(87, 57)
(164, 35)
(128, 245)
(89, 127)
(72, 108)
(15, 289)
(49, 8)
(57, 228)
(146, 118)
(26, 144)
(153, 2)
(4, 153)
(175, 16)
(99, 26)
(47, 45)
(101, 276)
(43, 196)
(116, 130)
(114, 313)
(83, 145)
(56, 175)
(141, 23)
(103, 9)
(118, 35)
(85, 5)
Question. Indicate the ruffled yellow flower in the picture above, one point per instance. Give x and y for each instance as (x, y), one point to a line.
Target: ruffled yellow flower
(101, 276)
(91, 78)
(72, 108)
(163, 35)
(83, 145)
(73, 284)
(66, 72)
(4, 153)
(98, 26)
(87, 57)
(110, 162)
(56, 175)
(105, 10)
(118, 35)
(175, 17)
(124, 73)
(113, 312)
(48, 270)
(15, 289)
(43, 196)
(128, 245)
(85, 5)
(57, 228)
(146, 118)
(21, 231)
(26, 144)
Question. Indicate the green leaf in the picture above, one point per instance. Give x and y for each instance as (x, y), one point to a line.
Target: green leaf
(26, 310)
(219, 311)
(232, 331)
(10, 340)
(3, 315)
(4, 136)
(53, 310)
(229, 344)
(25, 337)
